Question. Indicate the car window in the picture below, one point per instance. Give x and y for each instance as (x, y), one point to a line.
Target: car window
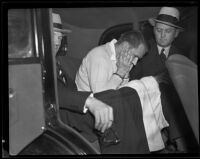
(19, 34)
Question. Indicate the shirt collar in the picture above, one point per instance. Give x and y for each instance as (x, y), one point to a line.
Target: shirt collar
(166, 50)
(112, 47)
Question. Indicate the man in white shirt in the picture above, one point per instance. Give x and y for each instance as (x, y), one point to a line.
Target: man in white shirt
(107, 66)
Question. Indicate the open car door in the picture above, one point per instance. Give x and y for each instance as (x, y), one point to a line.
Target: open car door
(35, 127)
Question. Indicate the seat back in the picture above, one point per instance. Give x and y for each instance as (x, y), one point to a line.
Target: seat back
(114, 32)
(183, 73)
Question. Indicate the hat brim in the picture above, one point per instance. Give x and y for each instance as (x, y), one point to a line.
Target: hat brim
(153, 21)
(62, 30)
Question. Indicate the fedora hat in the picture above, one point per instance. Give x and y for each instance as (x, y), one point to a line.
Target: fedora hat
(57, 24)
(169, 16)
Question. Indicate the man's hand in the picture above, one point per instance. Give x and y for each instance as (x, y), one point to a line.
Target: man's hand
(124, 63)
(102, 112)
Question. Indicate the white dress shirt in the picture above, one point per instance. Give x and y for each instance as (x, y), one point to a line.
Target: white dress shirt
(96, 71)
(166, 52)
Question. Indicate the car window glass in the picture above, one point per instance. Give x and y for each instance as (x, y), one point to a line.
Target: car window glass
(19, 34)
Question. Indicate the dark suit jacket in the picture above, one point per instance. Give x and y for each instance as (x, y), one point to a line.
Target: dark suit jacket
(68, 96)
(151, 65)
(71, 103)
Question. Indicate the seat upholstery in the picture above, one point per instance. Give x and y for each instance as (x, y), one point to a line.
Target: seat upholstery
(184, 76)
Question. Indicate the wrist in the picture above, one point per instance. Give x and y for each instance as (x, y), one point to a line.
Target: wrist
(118, 75)
(121, 73)
(126, 76)
(88, 103)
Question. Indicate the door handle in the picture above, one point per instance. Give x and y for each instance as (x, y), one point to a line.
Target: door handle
(11, 93)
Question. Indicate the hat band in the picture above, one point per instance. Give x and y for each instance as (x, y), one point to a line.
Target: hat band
(167, 18)
(57, 25)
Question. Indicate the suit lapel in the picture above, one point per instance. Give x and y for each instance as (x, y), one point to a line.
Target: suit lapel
(173, 50)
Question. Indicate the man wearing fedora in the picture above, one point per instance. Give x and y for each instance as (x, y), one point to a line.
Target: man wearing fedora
(70, 98)
(166, 28)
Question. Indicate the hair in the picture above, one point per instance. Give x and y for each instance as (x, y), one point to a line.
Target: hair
(134, 38)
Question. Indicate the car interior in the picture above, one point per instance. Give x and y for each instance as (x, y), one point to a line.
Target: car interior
(186, 68)
(31, 72)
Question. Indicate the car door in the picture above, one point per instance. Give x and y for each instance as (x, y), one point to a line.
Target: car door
(34, 124)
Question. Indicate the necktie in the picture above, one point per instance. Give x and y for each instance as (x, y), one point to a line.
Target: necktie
(162, 55)
(60, 73)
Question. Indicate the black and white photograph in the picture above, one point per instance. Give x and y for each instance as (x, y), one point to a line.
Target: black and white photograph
(100, 79)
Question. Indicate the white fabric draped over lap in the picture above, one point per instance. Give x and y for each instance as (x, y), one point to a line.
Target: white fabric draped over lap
(153, 118)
